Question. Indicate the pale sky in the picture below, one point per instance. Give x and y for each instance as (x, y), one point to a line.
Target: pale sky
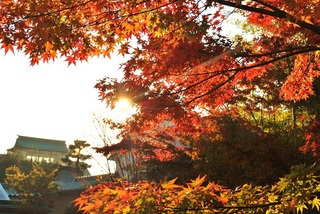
(50, 100)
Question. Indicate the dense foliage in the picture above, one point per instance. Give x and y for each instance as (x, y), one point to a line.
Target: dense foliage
(297, 190)
(206, 102)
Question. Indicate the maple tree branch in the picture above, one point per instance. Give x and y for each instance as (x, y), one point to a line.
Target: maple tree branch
(220, 208)
(285, 15)
(272, 60)
(214, 88)
(304, 48)
(245, 7)
(197, 83)
(275, 13)
(208, 62)
(268, 5)
(299, 51)
(251, 206)
(236, 71)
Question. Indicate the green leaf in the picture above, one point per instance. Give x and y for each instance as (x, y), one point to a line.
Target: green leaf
(126, 210)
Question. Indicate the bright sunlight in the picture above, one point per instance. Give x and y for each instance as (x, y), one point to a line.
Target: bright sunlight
(123, 110)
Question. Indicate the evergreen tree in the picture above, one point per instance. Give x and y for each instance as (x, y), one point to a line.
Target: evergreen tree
(75, 157)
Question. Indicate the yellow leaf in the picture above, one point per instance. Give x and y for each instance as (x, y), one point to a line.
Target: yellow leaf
(198, 181)
(48, 47)
(126, 210)
(316, 203)
(301, 207)
(272, 198)
(89, 207)
(158, 34)
(170, 184)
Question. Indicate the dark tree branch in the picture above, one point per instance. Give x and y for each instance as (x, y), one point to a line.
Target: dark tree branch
(222, 209)
(213, 89)
(303, 49)
(299, 51)
(275, 12)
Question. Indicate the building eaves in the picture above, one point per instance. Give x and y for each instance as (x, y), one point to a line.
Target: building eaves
(41, 144)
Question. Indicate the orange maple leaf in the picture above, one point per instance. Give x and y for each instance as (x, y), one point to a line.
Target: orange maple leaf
(71, 60)
(7, 47)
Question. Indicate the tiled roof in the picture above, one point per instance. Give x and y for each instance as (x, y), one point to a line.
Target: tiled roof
(69, 180)
(41, 144)
(80, 183)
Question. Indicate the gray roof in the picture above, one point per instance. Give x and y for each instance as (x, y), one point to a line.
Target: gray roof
(80, 183)
(41, 144)
(9, 191)
(3, 194)
(69, 180)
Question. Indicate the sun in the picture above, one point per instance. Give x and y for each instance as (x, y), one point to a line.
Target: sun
(123, 110)
(123, 105)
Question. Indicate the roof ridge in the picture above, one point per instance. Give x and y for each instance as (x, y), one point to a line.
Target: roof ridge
(41, 138)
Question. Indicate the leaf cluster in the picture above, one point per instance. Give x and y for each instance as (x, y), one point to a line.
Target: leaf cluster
(294, 192)
(37, 189)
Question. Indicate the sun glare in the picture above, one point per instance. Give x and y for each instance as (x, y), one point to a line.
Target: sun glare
(123, 105)
(123, 110)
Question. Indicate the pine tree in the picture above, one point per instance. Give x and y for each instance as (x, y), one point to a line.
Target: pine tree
(75, 157)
